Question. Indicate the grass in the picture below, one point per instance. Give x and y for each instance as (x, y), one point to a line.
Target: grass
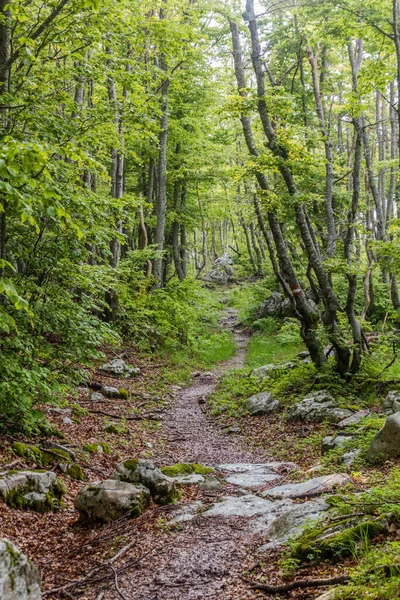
(263, 349)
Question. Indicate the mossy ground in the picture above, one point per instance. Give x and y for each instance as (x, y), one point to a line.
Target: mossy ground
(186, 469)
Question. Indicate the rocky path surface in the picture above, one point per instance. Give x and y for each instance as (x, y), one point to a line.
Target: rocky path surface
(203, 547)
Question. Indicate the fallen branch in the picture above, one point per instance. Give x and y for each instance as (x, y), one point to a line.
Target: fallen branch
(116, 583)
(294, 585)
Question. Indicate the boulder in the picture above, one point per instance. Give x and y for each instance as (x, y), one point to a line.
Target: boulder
(261, 404)
(110, 391)
(330, 442)
(19, 578)
(162, 487)
(270, 307)
(261, 373)
(118, 368)
(96, 397)
(287, 309)
(223, 270)
(318, 408)
(386, 443)
(108, 500)
(36, 490)
(391, 404)
(349, 457)
(311, 487)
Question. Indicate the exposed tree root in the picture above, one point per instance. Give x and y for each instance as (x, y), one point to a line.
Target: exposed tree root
(294, 585)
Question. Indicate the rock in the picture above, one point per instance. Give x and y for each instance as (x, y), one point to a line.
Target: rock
(67, 421)
(244, 506)
(330, 442)
(354, 419)
(265, 371)
(270, 307)
(329, 595)
(391, 404)
(110, 391)
(118, 368)
(73, 470)
(36, 490)
(186, 513)
(234, 430)
(19, 578)
(57, 446)
(303, 355)
(318, 408)
(97, 397)
(386, 443)
(349, 457)
(223, 270)
(191, 479)
(253, 475)
(186, 469)
(162, 488)
(83, 391)
(290, 521)
(210, 485)
(261, 404)
(287, 309)
(108, 500)
(318, 485)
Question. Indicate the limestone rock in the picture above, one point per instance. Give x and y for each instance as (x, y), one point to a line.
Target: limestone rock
(253, 475)
(36, 490)
(162, 488)
(244, 506)
(118, 368)
(186, 513)
(108, 500)
(354, 419)
(317, 485)
(262, 372)
(210, 485)
(19, 578)
(330, 442)
(391, 404)
(349, 457)
(97, 397)
(261, 404)
(223, 270)
(318, 408)
(270, 307)
(189, 479)
(110, 391)
(386, 443)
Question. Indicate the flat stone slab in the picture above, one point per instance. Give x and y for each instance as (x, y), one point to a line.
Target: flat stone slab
(244, 506)
(186, 513)
(250, 475)
(317, 485)
(191, 479)
(354, 419)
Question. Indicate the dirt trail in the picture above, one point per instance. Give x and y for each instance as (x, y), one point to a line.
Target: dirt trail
(204, 558)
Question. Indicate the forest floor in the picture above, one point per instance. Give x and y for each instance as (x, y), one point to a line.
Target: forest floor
(201, 558)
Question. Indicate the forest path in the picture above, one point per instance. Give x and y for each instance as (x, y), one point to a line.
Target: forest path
(202, 558)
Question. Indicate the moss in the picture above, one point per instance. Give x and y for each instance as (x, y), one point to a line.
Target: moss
(123, 393)
(30, 453)
(114, 428)
(51, 501)
(75, 471)
(131, 464)
(335, 540)
(94, 448)
(186, 469)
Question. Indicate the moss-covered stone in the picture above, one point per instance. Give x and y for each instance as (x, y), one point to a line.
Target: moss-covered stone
(131, 464)
(74, 471)
(28, 492)
(33, 454)
(30, 453)
(337, 539)
(97, 447)
(123, 393)
(186, 469)
(114, 428)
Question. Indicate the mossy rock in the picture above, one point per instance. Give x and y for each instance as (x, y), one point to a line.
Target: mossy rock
(114, 428)
(186, 469)
(336, 540)
(97, 447)
(131, 464)
(31, 495)
(36, 455)
(123, 393)
(73, 470)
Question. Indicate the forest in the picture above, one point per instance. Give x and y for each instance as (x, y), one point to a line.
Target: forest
(199, 299)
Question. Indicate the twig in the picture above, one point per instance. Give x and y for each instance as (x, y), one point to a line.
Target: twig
(131, 418)
(120, 592)
(294, 585)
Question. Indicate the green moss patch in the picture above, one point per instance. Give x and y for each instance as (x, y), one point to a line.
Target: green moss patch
(186, 469)
(97, 447)
(33, 454)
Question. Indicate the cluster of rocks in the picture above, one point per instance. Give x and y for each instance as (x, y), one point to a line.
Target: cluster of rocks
(318, 408)
(277, 306)
(223, 270)
(119, 368)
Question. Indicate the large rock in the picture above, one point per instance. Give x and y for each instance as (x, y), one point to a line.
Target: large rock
(162, 488)
(270, 307)
(261, 404)
(311, 487)
(386, 443)
(331, 442)
(318, 408)
(109, 500)
(223, 270)
(391, 404)
(118, 368)
(19, 578)
(36, 490)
